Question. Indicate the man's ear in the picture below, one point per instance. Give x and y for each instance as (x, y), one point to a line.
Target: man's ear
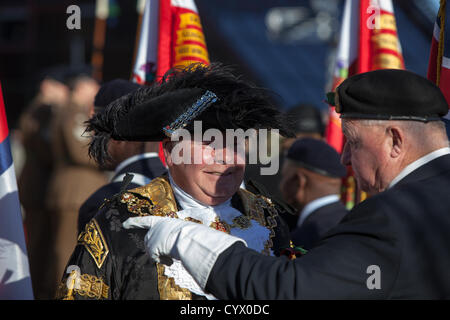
(301, 182)
(113, 147)
(397, 141)
(289, 188)
(167, 148)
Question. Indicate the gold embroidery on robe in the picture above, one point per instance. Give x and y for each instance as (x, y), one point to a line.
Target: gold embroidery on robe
(160, 193)
(254, 206)
(94, 242)
(162, 203)
(192, 220)
(85, 285)
(92, 287)
(242, 222)
(220, 225)
(158, 199)
(140, 207)
(167, 288)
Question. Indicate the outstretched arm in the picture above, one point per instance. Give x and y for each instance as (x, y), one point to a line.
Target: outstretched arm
(338, 268)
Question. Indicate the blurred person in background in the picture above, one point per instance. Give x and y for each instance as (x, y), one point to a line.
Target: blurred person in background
(75, 176)
(34, 132)
(136, 157)
(311, 183)
(306, 121)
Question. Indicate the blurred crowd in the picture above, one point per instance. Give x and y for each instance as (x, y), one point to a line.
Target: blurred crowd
(57, 174)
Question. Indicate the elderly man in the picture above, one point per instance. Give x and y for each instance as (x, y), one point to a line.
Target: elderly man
(202, 184)
(395, 245)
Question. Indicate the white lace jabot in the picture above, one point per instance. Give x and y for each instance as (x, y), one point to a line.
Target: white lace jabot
(256, 235)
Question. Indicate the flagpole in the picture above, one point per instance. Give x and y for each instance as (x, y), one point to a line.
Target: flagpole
(165, 29)
(441, 17)
(439, 60)
(101, 14)
(140, 11)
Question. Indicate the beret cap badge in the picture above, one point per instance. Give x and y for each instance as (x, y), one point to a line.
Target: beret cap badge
(333, 100)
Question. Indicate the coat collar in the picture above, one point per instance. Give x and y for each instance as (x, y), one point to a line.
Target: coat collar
(127, 162)
(147, 164)
(315, 205)
(435, 167)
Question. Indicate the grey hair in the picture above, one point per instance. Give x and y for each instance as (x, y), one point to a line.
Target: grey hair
(427, 134)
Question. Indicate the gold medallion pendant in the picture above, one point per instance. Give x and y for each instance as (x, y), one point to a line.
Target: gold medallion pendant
(242, 222)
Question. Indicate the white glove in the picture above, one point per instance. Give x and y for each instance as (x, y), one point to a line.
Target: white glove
(195, 245)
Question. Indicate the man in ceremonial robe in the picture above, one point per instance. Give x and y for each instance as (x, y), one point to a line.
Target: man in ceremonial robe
(110, 262)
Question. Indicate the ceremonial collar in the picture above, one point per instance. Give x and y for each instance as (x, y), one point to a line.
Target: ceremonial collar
(257, 236)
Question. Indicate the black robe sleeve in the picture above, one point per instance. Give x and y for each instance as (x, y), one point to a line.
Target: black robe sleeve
(89, 273)
(112, 257)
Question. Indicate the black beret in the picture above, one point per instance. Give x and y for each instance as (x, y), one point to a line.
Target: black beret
(112, 90)
(317, 156)
(389, 94)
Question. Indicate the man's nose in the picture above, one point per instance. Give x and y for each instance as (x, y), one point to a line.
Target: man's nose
(221, 156)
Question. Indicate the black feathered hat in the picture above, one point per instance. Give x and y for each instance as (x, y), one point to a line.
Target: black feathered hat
(211, 94)
(159, 117)
(112, 90)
